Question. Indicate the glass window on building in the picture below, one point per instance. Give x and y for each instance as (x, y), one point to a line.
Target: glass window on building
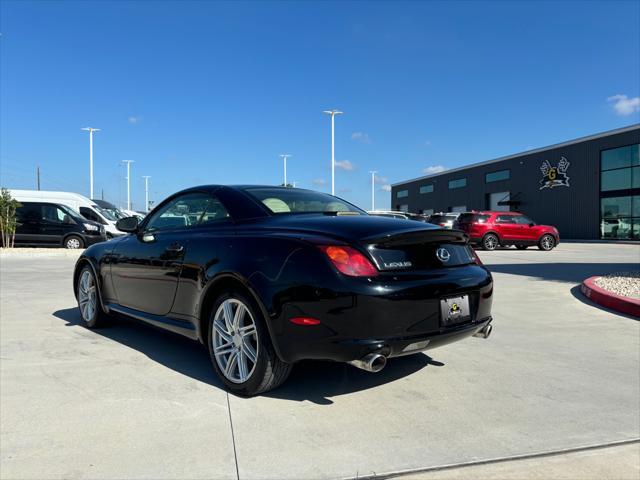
(620, 192)
(427, 211)
(403, 208)
(458, 209)
(497, 176)
(426, 188)
(402, 193)
(457, 183)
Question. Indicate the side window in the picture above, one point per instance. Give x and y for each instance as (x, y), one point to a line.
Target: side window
(52, 214)
(522, 220)
(90, 214)
(188, 211)
(29, 212)
(504, 219)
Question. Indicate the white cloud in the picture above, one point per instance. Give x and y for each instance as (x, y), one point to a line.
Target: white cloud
(361, 137)
(345, 165)
(134, 120)
(319, 182)
(433, 169)
(385, 188)
(624, 105)
(379, 179)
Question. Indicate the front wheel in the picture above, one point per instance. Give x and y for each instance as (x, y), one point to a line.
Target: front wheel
(490, 241)
(240, 347)
(88, 300)
(547, 242)
(73, 242)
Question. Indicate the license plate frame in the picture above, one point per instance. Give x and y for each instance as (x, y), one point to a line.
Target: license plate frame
(454, 310)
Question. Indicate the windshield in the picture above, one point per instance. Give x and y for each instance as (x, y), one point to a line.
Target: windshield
(104, 213)
(293, 200)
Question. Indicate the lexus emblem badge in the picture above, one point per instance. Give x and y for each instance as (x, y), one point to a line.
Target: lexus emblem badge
(443, 255)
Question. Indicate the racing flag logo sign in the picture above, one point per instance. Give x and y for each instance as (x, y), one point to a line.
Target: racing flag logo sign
(554, 176)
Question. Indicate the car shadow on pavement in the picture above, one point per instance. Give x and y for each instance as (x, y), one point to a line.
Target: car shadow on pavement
(317, 381)
(561, 272)
(313, 381)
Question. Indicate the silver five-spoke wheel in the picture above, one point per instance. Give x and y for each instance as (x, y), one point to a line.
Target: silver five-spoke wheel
(87, 297)
(235, 340)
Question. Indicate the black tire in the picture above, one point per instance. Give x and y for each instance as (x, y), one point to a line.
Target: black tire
(490, 241)
(95, 317)
(522, 247)
(546, 242)
(73, 242)
(268, 371)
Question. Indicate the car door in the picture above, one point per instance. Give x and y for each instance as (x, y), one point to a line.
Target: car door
(527, 231)
(29, 218)
(507, 228)
(146, 266)
(56, 223)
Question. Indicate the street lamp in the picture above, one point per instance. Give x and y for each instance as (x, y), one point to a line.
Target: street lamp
(333, 113)
(284, 157)
(146, 192)
(373, 189)
(128, 162)
(90, 130)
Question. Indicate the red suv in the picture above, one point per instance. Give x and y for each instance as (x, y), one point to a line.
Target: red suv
(492, 229)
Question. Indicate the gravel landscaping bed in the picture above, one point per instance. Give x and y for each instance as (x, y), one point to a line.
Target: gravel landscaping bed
(626, 284)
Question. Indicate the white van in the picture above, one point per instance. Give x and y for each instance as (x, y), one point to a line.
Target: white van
(77, 202)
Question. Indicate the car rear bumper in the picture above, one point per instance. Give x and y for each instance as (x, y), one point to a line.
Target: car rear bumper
(391, 315)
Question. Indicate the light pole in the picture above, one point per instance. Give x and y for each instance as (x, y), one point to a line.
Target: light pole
(284, 157)
(373, 189)
(146, 192)
(90, 130)
(333, 113)
(128, 162)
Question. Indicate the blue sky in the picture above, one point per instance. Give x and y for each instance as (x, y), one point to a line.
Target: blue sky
(213, 92)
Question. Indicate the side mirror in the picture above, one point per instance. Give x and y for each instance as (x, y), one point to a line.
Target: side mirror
(128, 224)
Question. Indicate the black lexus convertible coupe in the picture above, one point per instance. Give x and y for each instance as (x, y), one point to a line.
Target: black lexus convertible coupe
(266, 276)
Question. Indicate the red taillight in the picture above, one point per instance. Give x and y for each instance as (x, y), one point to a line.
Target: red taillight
(304, 321)
(349, 261)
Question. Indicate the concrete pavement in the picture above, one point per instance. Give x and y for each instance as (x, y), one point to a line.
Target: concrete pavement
(132, 402)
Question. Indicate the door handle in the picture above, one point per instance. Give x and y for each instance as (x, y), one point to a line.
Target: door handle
(174, 248)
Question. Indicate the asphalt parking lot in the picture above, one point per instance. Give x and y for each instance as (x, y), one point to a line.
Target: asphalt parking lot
(132, 402)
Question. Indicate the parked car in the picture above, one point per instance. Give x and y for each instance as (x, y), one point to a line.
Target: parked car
(50, 224)
(397, 214)
(85, 207)
(109, 207)
(268, 276)
(492, 229)
(444, 220)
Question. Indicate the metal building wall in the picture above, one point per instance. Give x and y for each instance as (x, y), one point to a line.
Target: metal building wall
(574, 210)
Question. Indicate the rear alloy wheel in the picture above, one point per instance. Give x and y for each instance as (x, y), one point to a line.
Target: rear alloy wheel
(73, 242)
(522, 247)
(547, 242)
(490, 241)
(240, 347)
(88, 300)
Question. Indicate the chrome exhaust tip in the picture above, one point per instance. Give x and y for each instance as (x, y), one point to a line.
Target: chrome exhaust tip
(373, 362)
(485, 332)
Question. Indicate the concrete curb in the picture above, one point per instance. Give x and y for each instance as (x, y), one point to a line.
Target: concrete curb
(602, 297)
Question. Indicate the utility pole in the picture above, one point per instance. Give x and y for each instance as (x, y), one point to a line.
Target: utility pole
(38, 176)
(128, 163)
(284, 157)
(146, 192)
(333, 113)
(90, 130)
(373, 189)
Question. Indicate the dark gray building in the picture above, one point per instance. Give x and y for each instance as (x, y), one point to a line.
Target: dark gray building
(589, 188)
